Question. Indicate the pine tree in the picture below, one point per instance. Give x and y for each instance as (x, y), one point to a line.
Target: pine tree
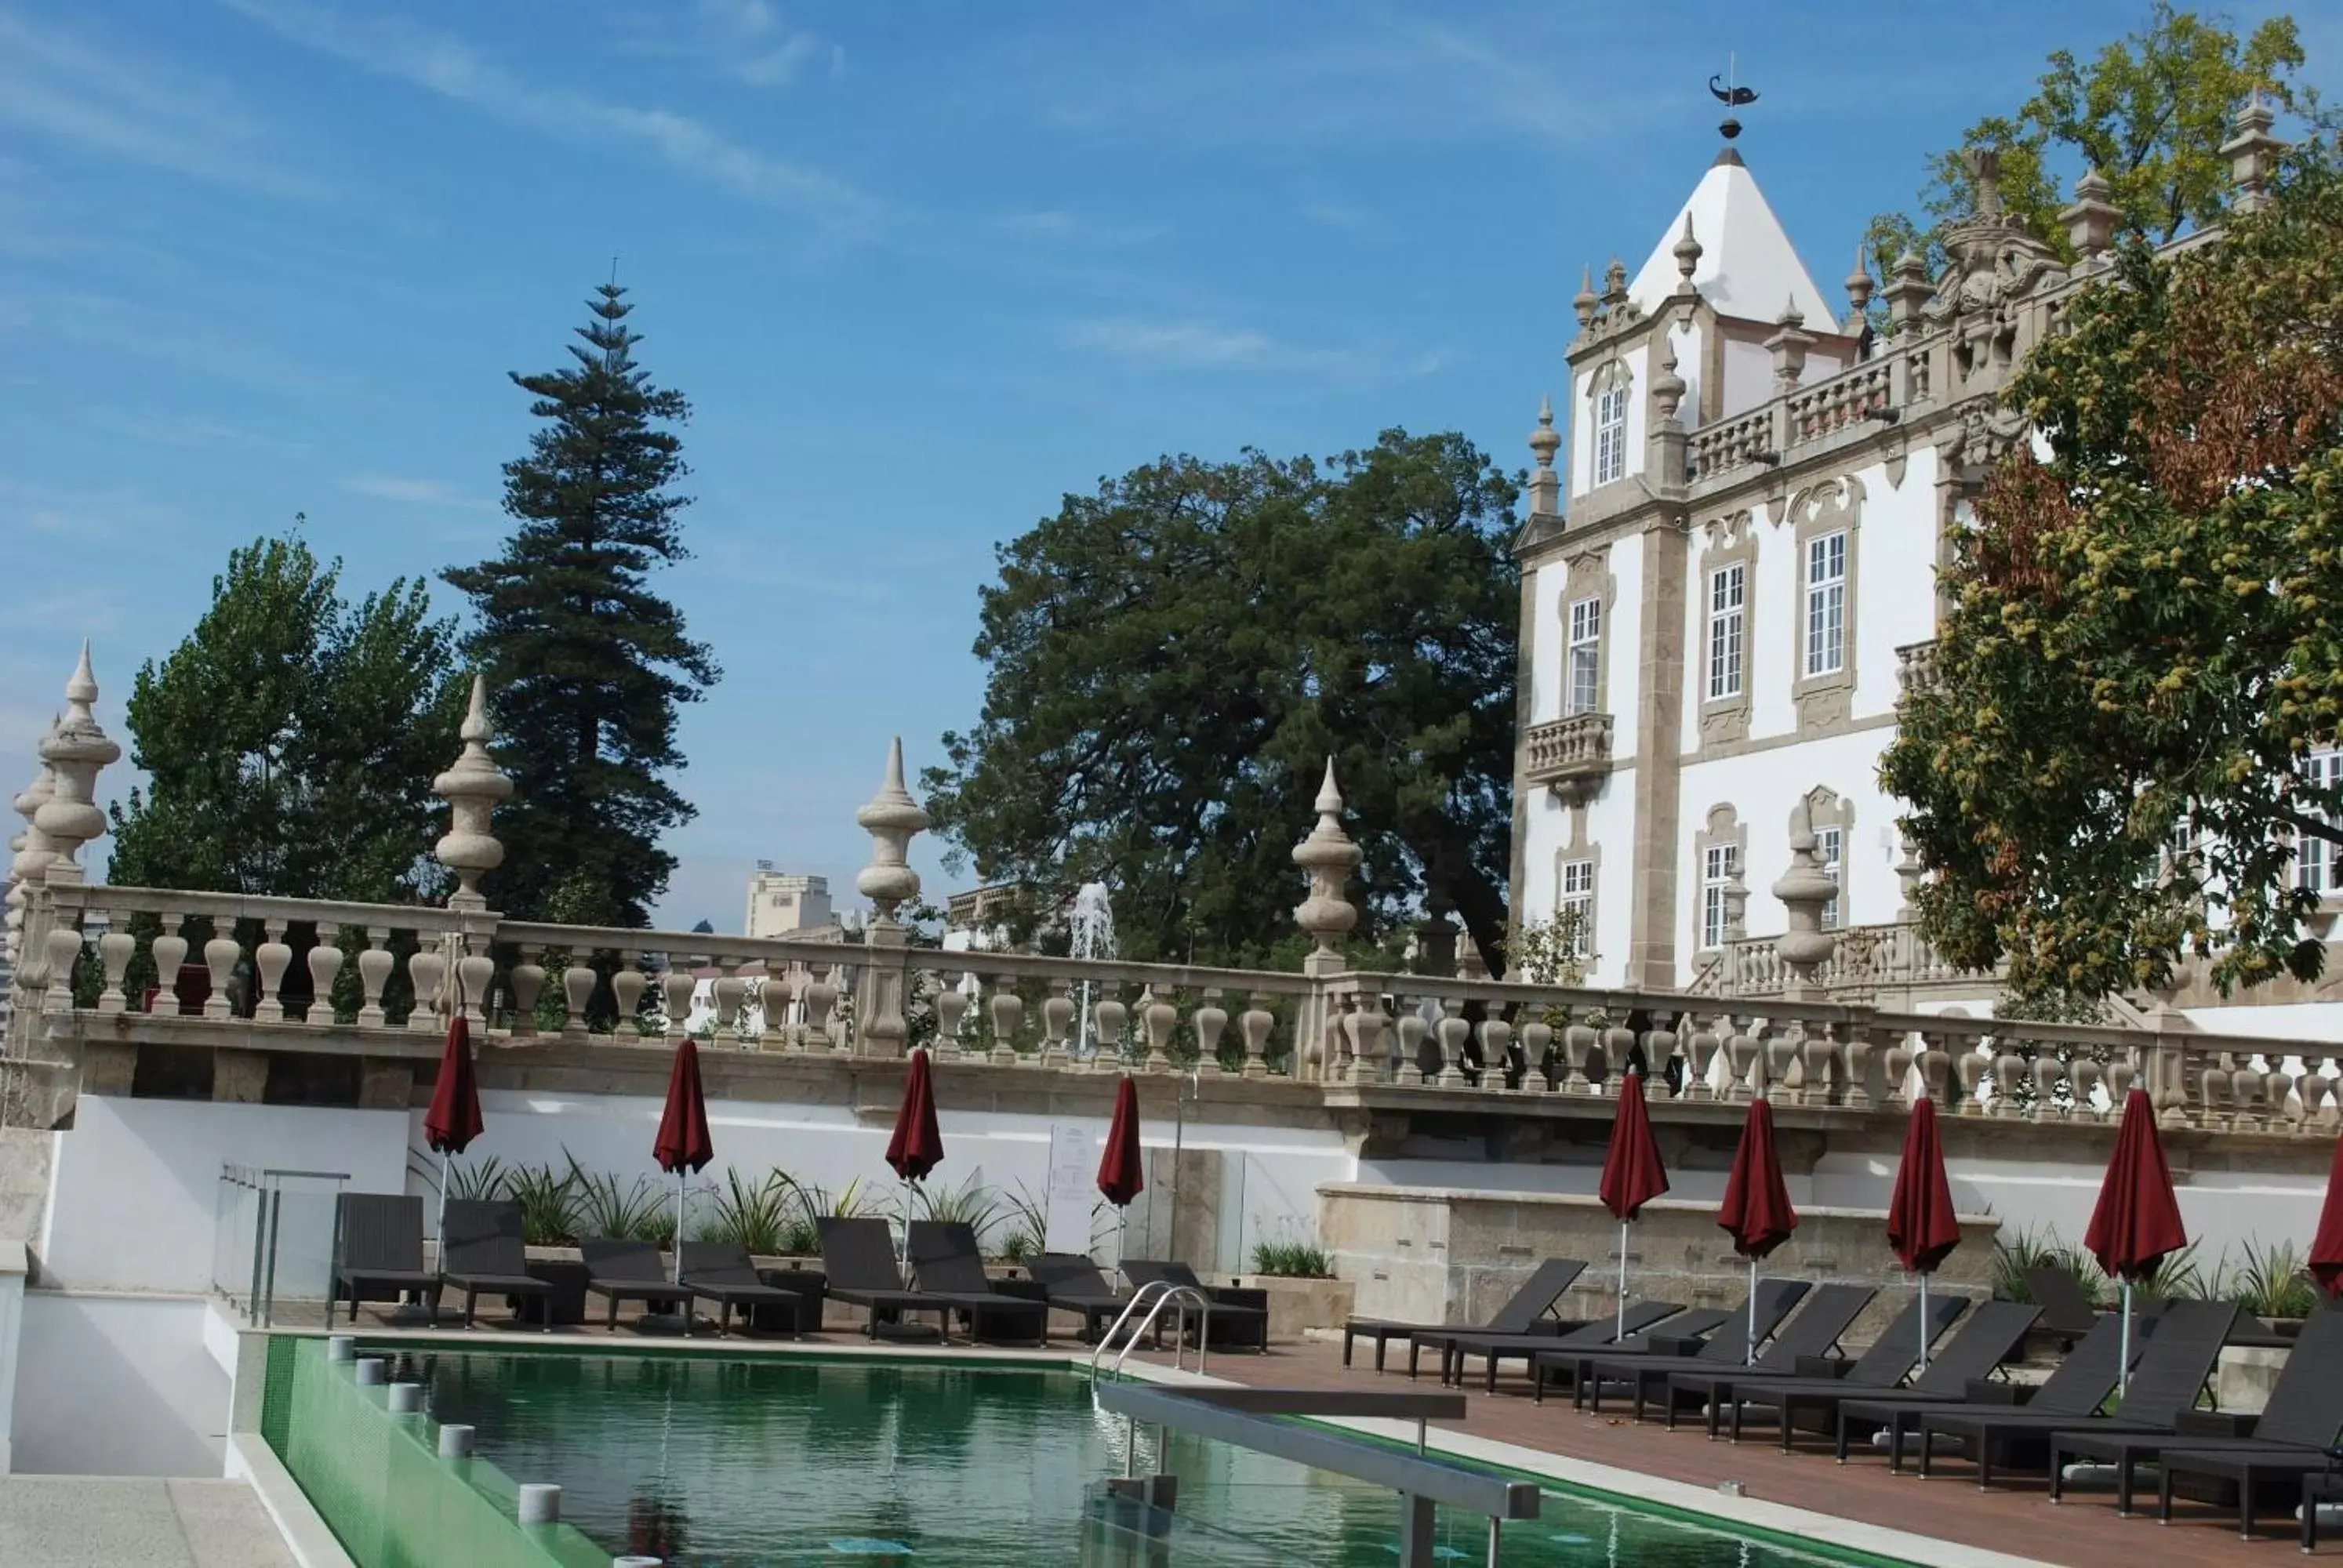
(586, 663)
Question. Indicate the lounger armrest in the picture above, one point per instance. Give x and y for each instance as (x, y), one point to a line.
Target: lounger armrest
(1993, 1391)
(1673, 1345)
(2214, 1423)
(1237, 1296)
(1821, 1366)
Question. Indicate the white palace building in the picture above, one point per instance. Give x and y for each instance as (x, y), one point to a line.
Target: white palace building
(1729, 573)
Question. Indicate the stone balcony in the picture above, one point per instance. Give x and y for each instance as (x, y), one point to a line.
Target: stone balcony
(1568, 756)
(1916, 666)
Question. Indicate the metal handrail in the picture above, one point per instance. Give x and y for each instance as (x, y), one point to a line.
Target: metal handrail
(1155, 1294)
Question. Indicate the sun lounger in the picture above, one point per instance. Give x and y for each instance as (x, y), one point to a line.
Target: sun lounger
(486, 1255)
(1884, 1365)
(722, 1273)
(1072, 1284)
(631, 1272)
(2076, 1388)
(2171, 1374)
(1989, 1334)
(858, 1256)
(1602, 1333)
(1598, 1333)
(2252, 1471)
(1727, 1346)
(946, 1262)
(1822, 1318)
(2303, 1414)
(379, 1249)
(1520, 1316)
(1240, 1318)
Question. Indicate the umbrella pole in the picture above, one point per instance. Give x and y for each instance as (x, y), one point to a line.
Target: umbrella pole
(2123, 1353)
(1924, 1320)
(1749, 1344)
(680, 1176)
(1619, 1331)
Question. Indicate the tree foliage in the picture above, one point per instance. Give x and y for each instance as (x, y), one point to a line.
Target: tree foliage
(585, 663)
(1174, 658)
(289, 742)
(2149, 110)
(2145, 637)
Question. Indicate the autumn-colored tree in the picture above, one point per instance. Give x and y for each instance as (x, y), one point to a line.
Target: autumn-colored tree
(2141, 670)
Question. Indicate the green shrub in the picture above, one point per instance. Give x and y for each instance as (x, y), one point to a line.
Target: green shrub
(2272, 1281)
(600, 1206)
(759, 1216)
(1293, 1260)
(971, 1203)
(476, 1181)
(548, 1205)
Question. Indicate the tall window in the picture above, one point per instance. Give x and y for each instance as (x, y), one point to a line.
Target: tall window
(1727, 586)
(1828, 844)
(1717, 864)
(1577, 901)
(1611, 431)
(1585, 655)
(2316, 866)
(1826, 604)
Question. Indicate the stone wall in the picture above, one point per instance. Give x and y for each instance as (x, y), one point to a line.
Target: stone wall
(1445, 1254)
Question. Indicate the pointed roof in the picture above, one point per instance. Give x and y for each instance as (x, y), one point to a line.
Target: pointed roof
(1747, 264)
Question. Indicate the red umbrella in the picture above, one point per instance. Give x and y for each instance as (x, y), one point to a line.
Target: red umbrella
(683, 1145)
(1632, 1172)
(2326, 1246)
(917, 1147)
(2138, 1220)
(1921, 1225)
(454, 1118)
(1120, 1176)
(1756, 1209)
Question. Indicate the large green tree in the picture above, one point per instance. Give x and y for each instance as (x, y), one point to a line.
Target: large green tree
(289, 743)
(2143, 659)
(2149, 110)
(1173, 659)
(586, 664)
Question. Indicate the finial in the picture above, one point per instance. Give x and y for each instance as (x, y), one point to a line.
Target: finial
(472, 786)
(2251, 151)
(1583, 304)
(1329, 857)
(76, 748)
(1859, 284)
(892, 817)
(2091, 220)
(1615, 285)
(1789, 344)
(1545, 440)
(1802, 891)
(1733, 97)
(1984, 170)
(1688, 253)
(1667, 387)
(81, 691)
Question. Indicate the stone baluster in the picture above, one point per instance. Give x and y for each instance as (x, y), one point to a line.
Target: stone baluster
(1742, 1056)
(1451, 1033)
(1708, 1038)
(1343, 1038)
(2049, 1075)
(2278, 1097)
(820, 996)
(1371, 1063)
(170, 952)
(1537, 1049)
(1008, 1012)
(1056, 1017)
(951, 1005)
(1107, 1016)
(1618, 1044)
(220, 954)
(525, 982)
(1936, 1066)
(474, 973)
(427, 971)
(326, 962)
(2247, 1086)
(2008, 1071)
(2083, 1075)
(114, 952)
(773, 996)
(1254, 1024)
(730, 993)
(577, 985)
(375, 962)
(626, 989)
(1496, 1040)
(1158, 1019)
(270, 959)
(1896, 1066)
(1866, 1085)
(1971, 1067)
(1822, 1081)
(64, 950)
(473, 788)
(2123, 1071)
(1661, 1030)
(2212, 1087)
(676, 989)
(1209, 1021)
(1783, 1059)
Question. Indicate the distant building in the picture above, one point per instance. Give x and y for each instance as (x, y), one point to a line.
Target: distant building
(972, 920)
(788, 904)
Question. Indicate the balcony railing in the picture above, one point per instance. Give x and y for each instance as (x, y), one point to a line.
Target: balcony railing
(1567, 753)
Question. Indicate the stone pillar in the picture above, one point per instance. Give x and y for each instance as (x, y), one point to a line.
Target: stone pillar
(1804, 889)
(472, 787)
(1665, 455)
(1858, 297)
(892, 819)
(1545, 485)
(74, 749)
(1435, 942)
(2091, 221)
(2252, 153)
(1329, 857)
(1788, 346)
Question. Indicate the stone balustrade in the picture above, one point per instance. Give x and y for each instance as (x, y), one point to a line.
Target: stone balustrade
(1567, 755)
(1916, 666)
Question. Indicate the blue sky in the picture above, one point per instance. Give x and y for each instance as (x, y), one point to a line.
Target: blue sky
(921, 268)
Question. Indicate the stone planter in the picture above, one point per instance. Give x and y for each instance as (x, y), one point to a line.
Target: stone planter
(1296, 1306)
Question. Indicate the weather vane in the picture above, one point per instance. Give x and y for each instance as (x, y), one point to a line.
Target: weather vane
(1732, 97)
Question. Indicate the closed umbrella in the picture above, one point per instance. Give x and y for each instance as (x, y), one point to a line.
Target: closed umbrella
(918, 1144)
(2137, 1218)
(1122, 1177)
(2326, 1246)
(1632, 1174)
(683, 1145)
(454, 1118)
(1757, 1212)
(1921, 1225)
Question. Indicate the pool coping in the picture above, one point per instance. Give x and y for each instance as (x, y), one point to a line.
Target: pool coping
(1777, 1523)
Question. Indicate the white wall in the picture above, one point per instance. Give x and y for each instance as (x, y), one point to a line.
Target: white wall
(117, 1385)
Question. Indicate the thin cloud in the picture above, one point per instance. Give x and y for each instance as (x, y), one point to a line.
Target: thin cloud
(1189, 345)
(444, 65)
(410, 491)
(1337, 215)
(96, 96)
(1056, 225)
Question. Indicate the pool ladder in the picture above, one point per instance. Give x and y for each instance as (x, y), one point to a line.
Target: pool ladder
(1155, 1295)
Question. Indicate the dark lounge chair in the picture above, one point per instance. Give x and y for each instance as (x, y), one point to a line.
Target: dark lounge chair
(858, 1256)
(2076, 1388)
(1891, 1356)
(1602, 1333)
(1822, 1321)
(378, 1250)
(1991, 1332)
(2067, 1314)
(1534, 1300)
(1665, 1345)
(721, 1272)
(1072, 1284)
(1598, 1333)
(486, 1255)
(1239, 1317)
(632, 1272)
(2302, 1416)
(2171, 1374)
(946, 1262)
(2252, 1472)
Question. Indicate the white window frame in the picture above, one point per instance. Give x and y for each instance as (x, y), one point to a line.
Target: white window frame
(1728, 630)
(1583, 669)
(2319, 863)
(1825, 619)
(1576, 890)
(1717, 864)
(1610, 430)
(1830, 849)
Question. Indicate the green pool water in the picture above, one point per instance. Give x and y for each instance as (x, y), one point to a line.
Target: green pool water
(769, 1462)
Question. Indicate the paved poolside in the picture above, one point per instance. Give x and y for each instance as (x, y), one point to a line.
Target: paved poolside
(115, 1522)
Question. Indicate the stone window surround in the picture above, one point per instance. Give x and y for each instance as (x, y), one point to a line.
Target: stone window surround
(1586, 575)
(1835, 505)
(1731, 542)
(1612, 375)
(1722, 826)
(1829, 809)
(1578, 848)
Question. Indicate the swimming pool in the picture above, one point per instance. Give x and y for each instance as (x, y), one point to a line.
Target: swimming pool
(775, 1461)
